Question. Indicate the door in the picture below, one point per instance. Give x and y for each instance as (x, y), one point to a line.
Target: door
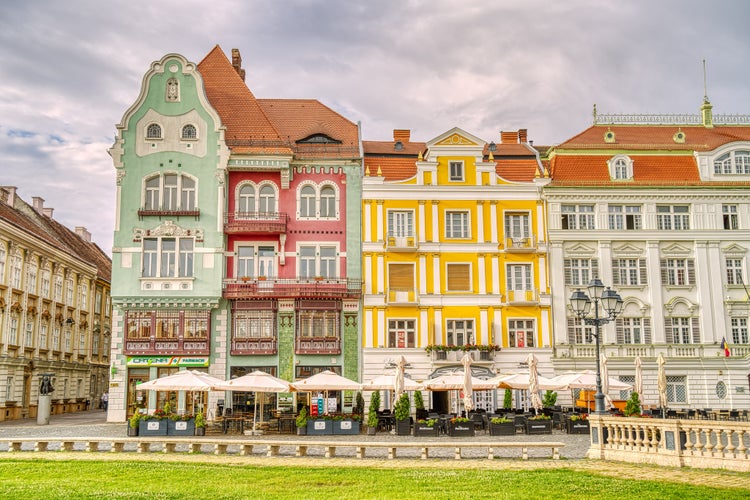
(136, 399)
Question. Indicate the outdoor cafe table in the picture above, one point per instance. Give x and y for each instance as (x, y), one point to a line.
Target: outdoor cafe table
(236, 423)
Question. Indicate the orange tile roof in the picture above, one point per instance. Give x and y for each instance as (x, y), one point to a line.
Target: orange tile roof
(657, 137)
(647, 169)
(389, 148)
(392, 169)
(517, 170)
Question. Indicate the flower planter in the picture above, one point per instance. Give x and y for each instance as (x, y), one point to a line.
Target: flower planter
(200, 431)
(485, 356)
(319, 427)
(539, 427)
(421, 430)
(504, 429)
(461, 429)
(132, 431)
(346, 426)
(403, 427)
(578, 427)
(302, 431)
(181, 427)
(152, 427)
(441, 355)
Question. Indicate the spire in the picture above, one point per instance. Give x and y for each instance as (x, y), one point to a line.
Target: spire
(707, 117)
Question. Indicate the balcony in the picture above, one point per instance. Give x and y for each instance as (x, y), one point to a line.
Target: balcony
(401, 243)
(255, 222)
(522, 297)
(520, 244)
(402, 296)
(261, 346)
(166, 346)
(317, 345)
(293, 288)
(147, 212)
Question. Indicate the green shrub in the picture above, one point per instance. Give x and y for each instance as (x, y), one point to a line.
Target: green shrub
(508, 400)
(418, 401)
(301, 420)
(633, 405)
(402, 409)
(550, 399)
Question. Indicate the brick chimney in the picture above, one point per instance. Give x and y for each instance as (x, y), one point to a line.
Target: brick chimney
(83, 233)
(237, 63)
(509, 137)
(402, 135)
(523, 135)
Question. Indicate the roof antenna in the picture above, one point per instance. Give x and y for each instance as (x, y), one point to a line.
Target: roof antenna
(705, 85)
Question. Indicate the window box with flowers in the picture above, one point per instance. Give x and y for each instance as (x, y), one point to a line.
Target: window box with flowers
(577, 424)
(153, 424)
(347, 424)
(426, 428)
(539, 424)
(181, 425)
(460, 427)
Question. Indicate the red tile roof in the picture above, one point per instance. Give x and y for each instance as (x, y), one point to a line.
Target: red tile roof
(648, 169)
(657, 137)
(517, 170)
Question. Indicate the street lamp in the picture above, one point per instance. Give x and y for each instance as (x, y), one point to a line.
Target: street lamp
(611, 303)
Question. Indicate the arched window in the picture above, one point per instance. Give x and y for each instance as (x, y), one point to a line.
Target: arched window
(267, 199)
(327, 202)
(170, 192)
(189, 132)
(307, 202)
(153, 131)
(246, 200)
(620, 167)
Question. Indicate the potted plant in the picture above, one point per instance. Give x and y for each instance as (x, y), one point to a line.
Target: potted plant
(578, 424)
(633, 405)
(181, 425)
(372, 414)
(460, 427)
(539, 424)
(421, 413)
(133, 422)
(426, 427)
(402, 415)
(200, 424)
(301, 422)
(346, 424)
(502, 426)
(154, 424)
(508, 399)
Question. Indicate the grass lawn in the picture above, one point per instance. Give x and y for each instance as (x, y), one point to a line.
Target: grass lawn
(80, 479)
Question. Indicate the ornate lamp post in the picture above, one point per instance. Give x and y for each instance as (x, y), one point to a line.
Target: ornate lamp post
(611, 303)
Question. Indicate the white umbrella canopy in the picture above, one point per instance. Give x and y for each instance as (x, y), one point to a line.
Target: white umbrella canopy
(586, 379)
(638, 387)
(185, 380)
(536, 401)
(398, 383)
(326, 381)
(521, 381)
(257, 381)
(468, 386)
(455, 382)
(661, 380)
(388, 382)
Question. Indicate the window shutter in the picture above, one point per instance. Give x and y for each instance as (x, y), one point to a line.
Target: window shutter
(668, 334)
(619, 331)
(459, 277)
(616, 273)
(643, 272)
(664, 276)
(571, 330)
(401, 276)
(646, 330)
(594, 268)
(691, 271)
(566, 266)
(696, 329)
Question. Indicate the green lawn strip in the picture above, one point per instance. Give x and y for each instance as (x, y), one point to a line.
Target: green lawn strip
(146, 479)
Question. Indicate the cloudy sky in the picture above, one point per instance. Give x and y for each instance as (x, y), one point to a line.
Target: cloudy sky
(69, 70)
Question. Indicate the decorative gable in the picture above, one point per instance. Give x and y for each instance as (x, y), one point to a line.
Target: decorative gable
(456, 139)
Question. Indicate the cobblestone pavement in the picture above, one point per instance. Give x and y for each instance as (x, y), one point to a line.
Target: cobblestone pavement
(93, 424)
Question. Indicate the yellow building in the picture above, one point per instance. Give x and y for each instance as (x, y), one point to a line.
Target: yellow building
(454, 257)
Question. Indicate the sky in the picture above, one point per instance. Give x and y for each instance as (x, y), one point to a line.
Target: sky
(69, 71)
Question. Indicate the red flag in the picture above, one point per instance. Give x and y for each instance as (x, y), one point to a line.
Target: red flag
(725, 346)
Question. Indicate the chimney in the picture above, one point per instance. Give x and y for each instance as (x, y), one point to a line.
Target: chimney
(83, 233)
(402, 135)
(523, 135)
(237, 63)
(508, 137)
(38, 203)
(3, 195)
(48, 212)
(9, 195)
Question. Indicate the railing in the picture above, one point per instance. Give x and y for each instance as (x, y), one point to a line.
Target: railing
(671, 442)
(318, 345)
(401, 243)
(254, 346)
(402, 296)
(145, 212)
(160, 346)
(520, 244)
(292, 288)
(648, 350)
(522, 296)
(255, 222)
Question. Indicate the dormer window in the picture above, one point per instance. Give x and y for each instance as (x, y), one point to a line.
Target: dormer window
(733, 163)
(456, 171)
(620, 168)
(318, 139)
(153, 131)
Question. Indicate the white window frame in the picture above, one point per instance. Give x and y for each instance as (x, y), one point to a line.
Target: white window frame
(676, 389)
(625, 217)
(456, 171)
(408, 326)
(463, 221)
(673, 217)
(579, 271)
(519, 276)
(521, 332)
(739, 330)
(517, 225)
(160, 196)
(620, 168)
(578, 217)
(730, 217)
(154, 132)
(735, 162)
(734, 271)
(460, 329)
(400, 223)
(166, 262)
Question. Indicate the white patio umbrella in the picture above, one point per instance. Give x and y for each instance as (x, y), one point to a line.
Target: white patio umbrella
(326, 381)
(184, 380)
(586, 379)
(388, 382)
(455, 382)
(536, 401)
(521, 381)
(468, 387)
(638, 386)
(661, 380)
(258, 382)
(398, 382)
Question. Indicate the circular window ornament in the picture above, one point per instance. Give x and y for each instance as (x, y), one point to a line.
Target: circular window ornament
(173, 68)
(679, 137)
(721, 390)
(609, 136)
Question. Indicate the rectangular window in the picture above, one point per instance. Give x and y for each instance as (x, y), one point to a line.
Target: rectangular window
(677, 272)
(29, 338)
(681, 330)
(578, 272)
(579, 332)
(625, 217)
(186, 258)
(730, 217)
(58, 288)
(400, 224)
(578, 217)
(2, 262)
(187, 194)
(456, 169)
(673, 217)
(517, 225)
(43, 329)
(629, 272)
(170, 192)
(328, 262)
(628, 379)
(456, 225)
(519, 277)
(56, 338)
(9, 389)
(739, 331)
(98, 303)
(46, 284)
(401, 282)
(318, 323)
(167, 257)
(307, 267)
(458, 277)
(521, 333)
(676, 389)
(167, 324)
(31, 276)
(327, 202)
(195, 324)
(734, 271)
(317, 261)
(246, 262)
(255, 324)
(460, 332)
(15, 272)
(401, 333)
(152, 194)
(69, 292)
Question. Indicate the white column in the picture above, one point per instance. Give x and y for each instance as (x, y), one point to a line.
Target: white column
(435, 225)
(369, 334)
(493, 220)
(481, 231)
(368, 274)
(481, 274)
(422, 274)
(424, 328)
(380, 339)
(557, 278)
(380, 209)
(546, 334)
(380, 271)
(438, 327)
(367, 229)
(436, 274)
(422, 222)
(495, 278)
(484, 327)
(656, 299)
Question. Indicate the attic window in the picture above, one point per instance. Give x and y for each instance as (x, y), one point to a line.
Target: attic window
(318, 139)
(620, 168)
(609, 136)
(399, 146)
(679, 137)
